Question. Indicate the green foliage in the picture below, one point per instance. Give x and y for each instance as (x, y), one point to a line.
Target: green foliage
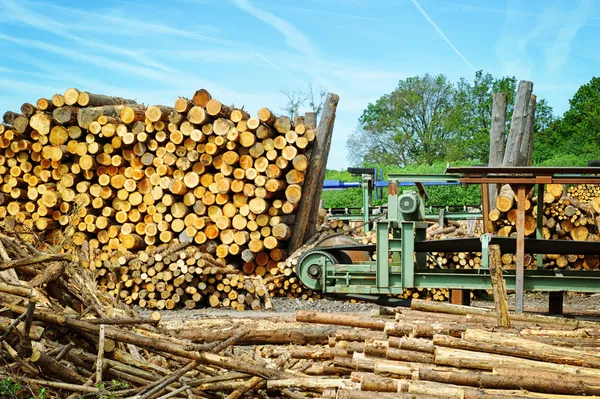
(429, 119)
(11, 389)
(107, 389)
(577, 133)
(411, 124)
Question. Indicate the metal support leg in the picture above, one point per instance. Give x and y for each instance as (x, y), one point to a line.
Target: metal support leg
(366, 206)
(408, 254)
(520, 272)
(383, 252)
(555, 303)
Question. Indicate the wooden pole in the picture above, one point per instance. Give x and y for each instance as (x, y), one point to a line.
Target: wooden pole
(306, 218)
(517, 127)
(526, 150)
(499, 287)
(520, 273)
(497, 139)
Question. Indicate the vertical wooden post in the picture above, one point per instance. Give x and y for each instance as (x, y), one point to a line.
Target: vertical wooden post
(498, 287)
(517, 127)
(308, 210)
(526, 151)
(486, 205)
(497, 140)
(310, 119)
(520, 272)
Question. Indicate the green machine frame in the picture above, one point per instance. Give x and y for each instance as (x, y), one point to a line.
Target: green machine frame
(402, 250)
(367, 188)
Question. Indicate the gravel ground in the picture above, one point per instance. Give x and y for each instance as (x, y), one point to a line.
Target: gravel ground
(574, 303)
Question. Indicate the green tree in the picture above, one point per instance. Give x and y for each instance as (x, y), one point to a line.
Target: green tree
(575, 138)
(429, 119)
(409, 125)
(474, 101)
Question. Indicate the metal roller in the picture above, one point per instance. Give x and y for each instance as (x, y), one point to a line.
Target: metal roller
(310, 266)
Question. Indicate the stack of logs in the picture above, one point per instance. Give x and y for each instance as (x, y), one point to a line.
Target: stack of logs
(570, 214)
(120, 177)
(430, 351)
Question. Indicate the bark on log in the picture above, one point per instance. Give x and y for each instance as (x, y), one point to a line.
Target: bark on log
(307, 213)
(497, 139)
(517, 127)
(526, 149)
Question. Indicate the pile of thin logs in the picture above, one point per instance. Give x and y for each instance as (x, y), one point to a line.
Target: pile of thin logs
(122, 177)
(179, 275)
(564, 218)
(585, 193)
(430, 351)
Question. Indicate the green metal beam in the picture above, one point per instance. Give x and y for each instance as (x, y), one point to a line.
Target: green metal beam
(360, 279)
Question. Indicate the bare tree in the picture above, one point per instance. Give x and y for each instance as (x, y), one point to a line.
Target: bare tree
(294, 100)
(316, 104)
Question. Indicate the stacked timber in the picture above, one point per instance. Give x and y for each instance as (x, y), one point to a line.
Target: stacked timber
(567, 215)
(121, 178)
(584, 192)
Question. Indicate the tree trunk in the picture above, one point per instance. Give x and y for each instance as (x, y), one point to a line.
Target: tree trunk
(307, 214)
(526, 150)
(517, 127)
(497, 139)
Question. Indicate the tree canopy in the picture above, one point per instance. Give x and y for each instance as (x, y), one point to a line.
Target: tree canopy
(428, 119)
(575, 138)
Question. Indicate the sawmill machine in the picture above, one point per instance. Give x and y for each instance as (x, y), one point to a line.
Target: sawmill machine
(402, 250)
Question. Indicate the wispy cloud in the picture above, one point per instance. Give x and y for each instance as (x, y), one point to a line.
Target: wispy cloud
(293, 36)
(103, 22)
(557, 54)
(438, 30)
(480, 9)
(551, 32)
(180, 79)
(39, 21)
(317, 11)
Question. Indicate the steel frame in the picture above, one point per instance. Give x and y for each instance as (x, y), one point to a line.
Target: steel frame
(521, 179)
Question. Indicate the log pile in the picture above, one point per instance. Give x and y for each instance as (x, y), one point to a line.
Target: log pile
(59, 333)
(123, 178)
(567, 215)
(430, 351)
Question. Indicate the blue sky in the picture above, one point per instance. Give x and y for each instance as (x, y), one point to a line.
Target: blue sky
(245, 51)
